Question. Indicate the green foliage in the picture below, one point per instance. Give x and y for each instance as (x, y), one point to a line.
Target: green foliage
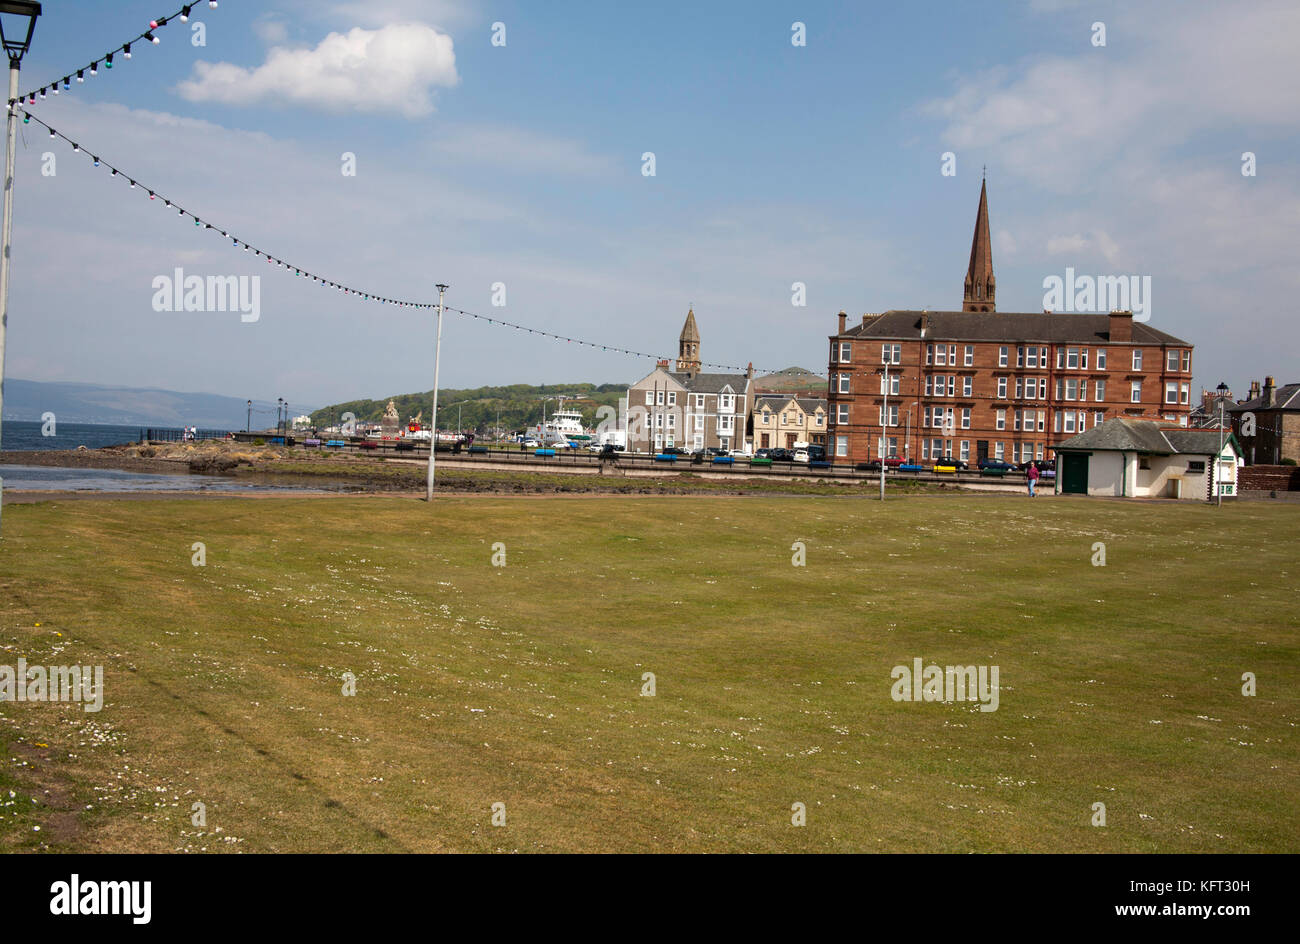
(1288, 462)
(519, 405)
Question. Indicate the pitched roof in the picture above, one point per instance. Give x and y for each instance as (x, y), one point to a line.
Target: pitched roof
(903, 324)
(690, 331)
(711, 383)
(1145, 436)
(776, 401)
(1284, 398)
(980, 270)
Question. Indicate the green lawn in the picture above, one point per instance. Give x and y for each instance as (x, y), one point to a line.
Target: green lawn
(521, 684)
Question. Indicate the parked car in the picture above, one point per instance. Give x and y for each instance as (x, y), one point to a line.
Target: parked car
(958, 464)
(672, 451)
(716, 451)
(764, 453)
(996, 465)
(781, 455)
(1046, 470)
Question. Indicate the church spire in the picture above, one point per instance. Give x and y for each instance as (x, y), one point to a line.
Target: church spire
(981, 288)
(688, 346)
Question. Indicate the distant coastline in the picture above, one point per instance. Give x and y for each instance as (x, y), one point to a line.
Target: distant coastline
(27, 436)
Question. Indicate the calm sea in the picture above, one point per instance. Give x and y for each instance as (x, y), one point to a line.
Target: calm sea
(26, 436)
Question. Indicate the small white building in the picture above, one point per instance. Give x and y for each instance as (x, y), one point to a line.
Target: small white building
(1131, 458)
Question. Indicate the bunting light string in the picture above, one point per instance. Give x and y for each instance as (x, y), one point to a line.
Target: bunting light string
(79, 75)
(239, 243)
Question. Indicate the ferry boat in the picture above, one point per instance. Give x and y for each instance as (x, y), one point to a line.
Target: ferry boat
(562, 426)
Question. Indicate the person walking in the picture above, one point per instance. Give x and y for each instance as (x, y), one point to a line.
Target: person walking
(1031, 476)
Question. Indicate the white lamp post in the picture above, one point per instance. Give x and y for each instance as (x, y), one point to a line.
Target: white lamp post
(433, 421)
(1218, 460)
(21, 14)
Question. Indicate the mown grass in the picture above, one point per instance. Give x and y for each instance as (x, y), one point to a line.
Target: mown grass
(521, 684)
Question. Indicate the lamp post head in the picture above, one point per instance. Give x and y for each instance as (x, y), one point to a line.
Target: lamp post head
(22, 16)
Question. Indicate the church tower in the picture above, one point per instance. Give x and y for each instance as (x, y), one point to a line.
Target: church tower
(688, 346)
(981, 287)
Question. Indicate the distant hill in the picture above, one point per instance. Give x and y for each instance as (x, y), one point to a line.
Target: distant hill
(518, 405)
(131, 406)
(792, 380)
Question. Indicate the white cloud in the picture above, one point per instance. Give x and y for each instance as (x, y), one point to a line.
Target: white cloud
(522, 150)
(1055, 118)
(443, 13)
(1061, 245)
(270, 30)
(393, 69)
(1004, 243)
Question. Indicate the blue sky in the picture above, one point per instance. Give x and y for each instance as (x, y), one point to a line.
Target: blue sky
(521, 164)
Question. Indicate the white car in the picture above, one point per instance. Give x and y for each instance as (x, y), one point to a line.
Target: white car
(531, 444)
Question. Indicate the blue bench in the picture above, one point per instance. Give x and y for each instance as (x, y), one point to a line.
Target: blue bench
(665, 457)
(723, 460)
(906, 467)
(478, 450)
(819, 464)
(544, 453)
(335, 443)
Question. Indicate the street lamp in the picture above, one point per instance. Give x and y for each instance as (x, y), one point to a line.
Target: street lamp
(1222, 389)
(248, 422)
(884, 428)
(22, 15)
(433, 420)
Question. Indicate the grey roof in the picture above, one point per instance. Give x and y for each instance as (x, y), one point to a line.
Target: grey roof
(1285, 398)
(711, 383)
(776, 401)
(1003, 326)
(1145, 436)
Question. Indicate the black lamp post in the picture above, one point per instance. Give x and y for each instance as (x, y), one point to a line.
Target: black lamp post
(1222, 390)
(20, 17)
(248, 423)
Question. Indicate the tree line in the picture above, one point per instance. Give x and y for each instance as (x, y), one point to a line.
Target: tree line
(518, 406)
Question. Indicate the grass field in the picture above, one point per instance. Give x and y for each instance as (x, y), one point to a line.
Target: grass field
(521, 685)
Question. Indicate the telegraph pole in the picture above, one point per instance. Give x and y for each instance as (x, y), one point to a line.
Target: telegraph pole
(433, 422)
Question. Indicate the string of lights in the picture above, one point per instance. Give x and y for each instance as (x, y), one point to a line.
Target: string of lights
(299, 272)
(79, 75)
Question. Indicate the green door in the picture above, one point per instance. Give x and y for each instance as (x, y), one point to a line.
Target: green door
(1074, 473)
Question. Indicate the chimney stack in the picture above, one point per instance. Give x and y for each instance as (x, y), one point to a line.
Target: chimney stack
(1254, 390)
(843, 317)
(1269, 392)
(1121, 326)
(925, 323)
